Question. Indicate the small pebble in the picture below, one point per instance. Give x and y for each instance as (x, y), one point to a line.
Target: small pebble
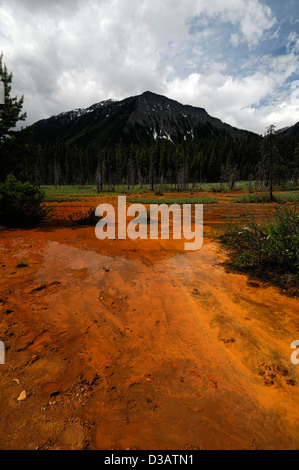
(23, 396)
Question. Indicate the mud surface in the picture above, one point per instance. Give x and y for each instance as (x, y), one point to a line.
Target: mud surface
(141, 345)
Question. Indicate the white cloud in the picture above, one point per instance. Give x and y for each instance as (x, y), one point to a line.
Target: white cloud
(252, 16)
(237, 100)
(235, 39)
(68, 54)
(293, 43)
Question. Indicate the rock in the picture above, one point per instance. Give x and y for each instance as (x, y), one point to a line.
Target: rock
(38, 288)
(213, 384)
(23, 396)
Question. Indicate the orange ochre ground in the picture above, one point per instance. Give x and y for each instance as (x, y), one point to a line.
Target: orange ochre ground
(140, 344)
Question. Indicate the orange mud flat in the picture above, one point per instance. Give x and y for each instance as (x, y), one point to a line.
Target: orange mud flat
(141, 345)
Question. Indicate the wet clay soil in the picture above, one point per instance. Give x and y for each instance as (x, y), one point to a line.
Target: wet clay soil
(141, 345)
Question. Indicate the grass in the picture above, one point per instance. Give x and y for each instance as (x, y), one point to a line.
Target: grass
(268, 250)
(186, 200)
(76, 193)
(66, 193)
(265, 198)
(288, 197)
(62, 199)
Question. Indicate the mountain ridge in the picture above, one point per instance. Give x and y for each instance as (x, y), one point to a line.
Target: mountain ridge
(141, 119)
(290, 130)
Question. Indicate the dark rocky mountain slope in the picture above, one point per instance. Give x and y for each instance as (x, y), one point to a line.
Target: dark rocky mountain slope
(139, 119)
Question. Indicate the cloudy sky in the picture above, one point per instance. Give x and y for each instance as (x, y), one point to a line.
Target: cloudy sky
(238, 59)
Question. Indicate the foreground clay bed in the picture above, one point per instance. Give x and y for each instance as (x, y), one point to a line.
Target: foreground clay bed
(140, 345)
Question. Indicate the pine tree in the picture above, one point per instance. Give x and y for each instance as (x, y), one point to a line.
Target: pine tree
(270, 160)
(11, 110)
(295, 166)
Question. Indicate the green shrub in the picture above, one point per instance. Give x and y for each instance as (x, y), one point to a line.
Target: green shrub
(20, 204)
(271, 246)
(282, 242)
(84, 218)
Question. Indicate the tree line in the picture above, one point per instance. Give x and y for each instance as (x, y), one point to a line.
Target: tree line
(222, 160)
(270, 158)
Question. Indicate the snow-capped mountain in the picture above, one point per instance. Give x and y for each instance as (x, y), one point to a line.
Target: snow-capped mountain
(140, 119)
